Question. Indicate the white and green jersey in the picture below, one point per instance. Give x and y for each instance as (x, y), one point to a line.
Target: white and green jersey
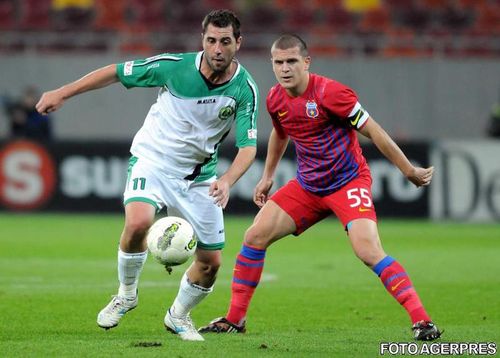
(191, 116)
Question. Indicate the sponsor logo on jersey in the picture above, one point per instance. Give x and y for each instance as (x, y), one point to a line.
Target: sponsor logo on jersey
(312, 109)
(154, 65)
(127, 68)
(206, 101)
(252, 134)
(226, 112)
(282, 114)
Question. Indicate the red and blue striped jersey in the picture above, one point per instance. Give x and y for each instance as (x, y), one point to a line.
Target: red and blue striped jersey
(322, 124)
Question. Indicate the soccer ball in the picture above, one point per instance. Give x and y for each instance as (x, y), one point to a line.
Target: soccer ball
(171, 241)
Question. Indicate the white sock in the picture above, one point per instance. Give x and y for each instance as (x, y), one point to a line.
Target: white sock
(129, 269)
(188, 297)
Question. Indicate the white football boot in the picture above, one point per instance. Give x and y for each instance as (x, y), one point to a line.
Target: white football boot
(114, 311)
(184, 327)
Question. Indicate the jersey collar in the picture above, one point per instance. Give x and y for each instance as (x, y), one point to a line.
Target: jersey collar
(198, 66)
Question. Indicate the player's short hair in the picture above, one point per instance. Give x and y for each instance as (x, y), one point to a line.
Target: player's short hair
(222, 18)
(284, 42)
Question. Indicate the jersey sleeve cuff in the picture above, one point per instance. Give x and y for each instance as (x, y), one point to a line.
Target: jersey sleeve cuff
(121, 69)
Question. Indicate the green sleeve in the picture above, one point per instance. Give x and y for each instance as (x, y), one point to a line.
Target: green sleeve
(150, 72)
(247, 114)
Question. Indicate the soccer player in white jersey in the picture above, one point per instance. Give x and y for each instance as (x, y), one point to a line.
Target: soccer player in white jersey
(174, 157)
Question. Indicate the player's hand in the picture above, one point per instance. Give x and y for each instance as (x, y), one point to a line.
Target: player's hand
(421, 176)
(49, 102)
(261, 192)
(219, 189)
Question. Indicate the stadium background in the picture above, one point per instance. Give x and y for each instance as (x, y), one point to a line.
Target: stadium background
(427, 70)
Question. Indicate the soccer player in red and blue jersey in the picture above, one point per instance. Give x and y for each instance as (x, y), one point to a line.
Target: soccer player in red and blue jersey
(321, 116)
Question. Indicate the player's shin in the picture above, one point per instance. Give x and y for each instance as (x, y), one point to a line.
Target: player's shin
(398, 284)
(129, 269)
(246, 277)
(188, 297)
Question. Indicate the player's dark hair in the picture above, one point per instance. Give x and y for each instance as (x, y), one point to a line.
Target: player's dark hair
(222, 18)
(284, 42)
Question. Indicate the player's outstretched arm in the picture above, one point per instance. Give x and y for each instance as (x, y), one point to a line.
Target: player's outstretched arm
(384, 143)
(53, 100)
(275, 149)
(219, 189)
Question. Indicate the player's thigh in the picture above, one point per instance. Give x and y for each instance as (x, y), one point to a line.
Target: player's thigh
(144, 184)
(192, 202)
(270, 224)
(352, 201)
(138, 219)
(304, 208)
(139, 215)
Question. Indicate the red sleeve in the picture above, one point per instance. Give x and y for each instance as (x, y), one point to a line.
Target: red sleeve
(339, 99)
(277, 126)
(273, 112)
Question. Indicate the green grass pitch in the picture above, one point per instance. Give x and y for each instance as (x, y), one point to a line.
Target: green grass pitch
(316, 298)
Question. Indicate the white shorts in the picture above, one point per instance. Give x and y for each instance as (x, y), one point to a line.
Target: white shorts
(183, 198)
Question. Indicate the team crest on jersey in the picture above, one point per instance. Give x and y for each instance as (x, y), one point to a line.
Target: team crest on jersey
(226, 112)
(312, 109)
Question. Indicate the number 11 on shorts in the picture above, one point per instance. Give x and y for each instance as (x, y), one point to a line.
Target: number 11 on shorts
(139, 183)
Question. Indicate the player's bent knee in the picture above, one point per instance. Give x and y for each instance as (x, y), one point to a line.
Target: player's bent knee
(137, 226)
(208, 269)
(256, 237)
(208, 262)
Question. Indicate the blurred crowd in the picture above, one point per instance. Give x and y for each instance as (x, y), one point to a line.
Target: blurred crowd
(24, 120)
(378, 27)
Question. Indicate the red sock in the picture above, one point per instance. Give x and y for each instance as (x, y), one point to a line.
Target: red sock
(398, 284)
(246, 277)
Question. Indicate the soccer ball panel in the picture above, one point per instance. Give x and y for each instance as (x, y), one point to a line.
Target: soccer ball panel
(171, 241)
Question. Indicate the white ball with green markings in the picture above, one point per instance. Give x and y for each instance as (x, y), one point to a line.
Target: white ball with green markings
(171, 241)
